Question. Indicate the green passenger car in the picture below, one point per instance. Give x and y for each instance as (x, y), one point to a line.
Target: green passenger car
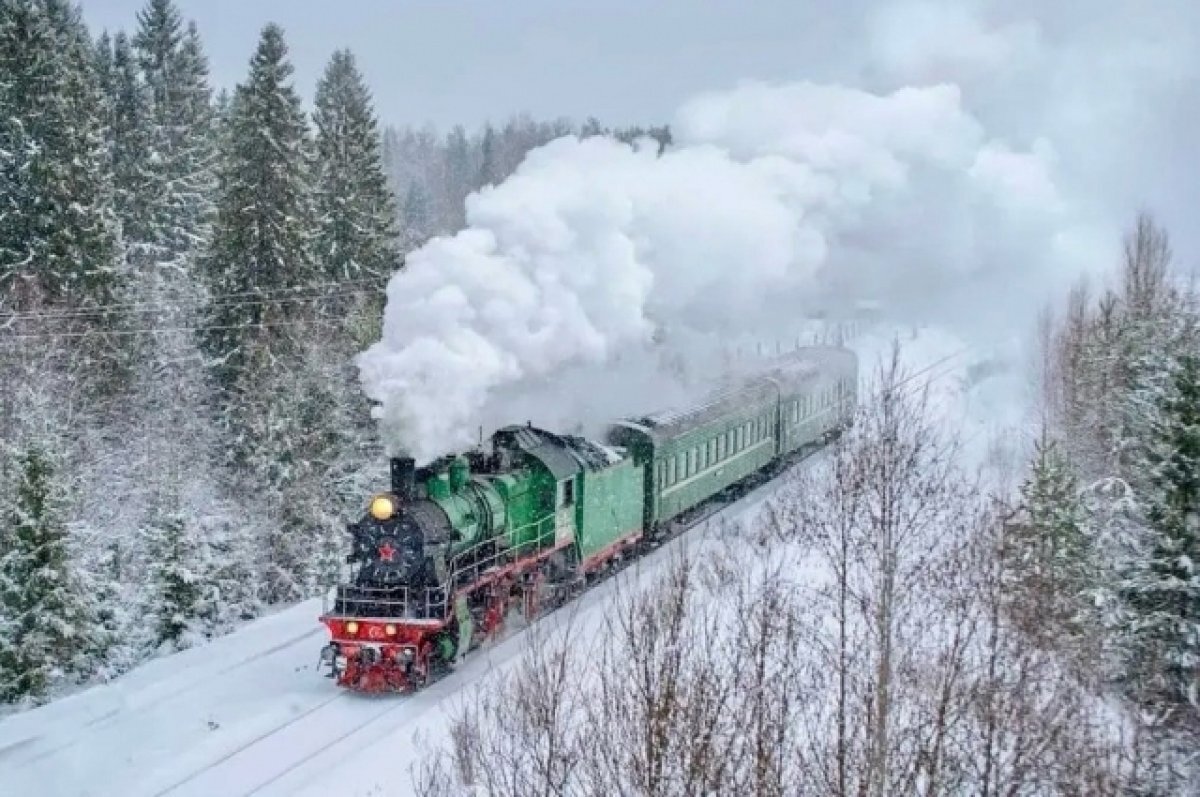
(693, 453)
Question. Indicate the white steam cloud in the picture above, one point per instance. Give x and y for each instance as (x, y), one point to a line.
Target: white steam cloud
(601, 277)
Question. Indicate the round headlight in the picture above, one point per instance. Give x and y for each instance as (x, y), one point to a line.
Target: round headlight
(351, 628)
(382, 507)
(390, 629)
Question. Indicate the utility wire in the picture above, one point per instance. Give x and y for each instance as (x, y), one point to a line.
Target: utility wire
(257, 296)
(156, 330)
(193, 327)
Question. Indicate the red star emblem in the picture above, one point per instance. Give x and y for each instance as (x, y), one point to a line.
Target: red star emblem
(386, 552)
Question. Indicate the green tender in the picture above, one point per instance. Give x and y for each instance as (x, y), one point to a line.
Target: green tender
(610, 506)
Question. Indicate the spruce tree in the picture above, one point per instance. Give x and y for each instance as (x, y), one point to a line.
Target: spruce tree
(177, 574)
(221, 105)
(459, 178)
(357, 240)
(158, 39)
(418, 216)
(356, 214)
(182, 129)
(57, 229)
(129, 136)
(489, 167)
(45, 623)
(261, 247)
(261, 252)
(105, 74)
(1162, 587)
(1048, 551)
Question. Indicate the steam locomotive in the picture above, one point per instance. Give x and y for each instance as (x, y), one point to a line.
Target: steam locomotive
(459, 548)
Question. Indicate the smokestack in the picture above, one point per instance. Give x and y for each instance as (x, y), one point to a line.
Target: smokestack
(403, 477)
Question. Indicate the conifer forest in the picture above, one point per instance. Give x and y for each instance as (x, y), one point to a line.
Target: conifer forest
(189, 272)
(179, 312)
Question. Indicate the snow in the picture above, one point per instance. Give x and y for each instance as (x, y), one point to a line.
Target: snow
(249, 713)
(380, 760)
(246, 714)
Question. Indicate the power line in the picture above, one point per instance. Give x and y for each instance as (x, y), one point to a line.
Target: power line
(933, 365)
(195, 328)
(156, 330)
(251, 297)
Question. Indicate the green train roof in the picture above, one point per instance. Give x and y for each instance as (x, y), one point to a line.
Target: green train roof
(786, 374)
(562, 455)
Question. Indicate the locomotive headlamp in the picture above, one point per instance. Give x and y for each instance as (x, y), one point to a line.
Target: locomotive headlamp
(390, 629)
(382, 507)
(351, 628)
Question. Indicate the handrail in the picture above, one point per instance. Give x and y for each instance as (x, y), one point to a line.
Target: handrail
(404, 602)
(508, 554)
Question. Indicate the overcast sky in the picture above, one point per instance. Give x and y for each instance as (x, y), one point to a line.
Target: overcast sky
(446, 61)
(1106, 91)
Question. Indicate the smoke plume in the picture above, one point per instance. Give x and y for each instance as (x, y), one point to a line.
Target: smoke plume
(604, 278)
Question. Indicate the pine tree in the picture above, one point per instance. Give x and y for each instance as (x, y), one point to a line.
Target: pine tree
(356, 212)
(129, 151)
(45, 624)
(1048, 551)
(261, 245)
(183, 135)
(57, 229)
(1162, 588)
(177, 574)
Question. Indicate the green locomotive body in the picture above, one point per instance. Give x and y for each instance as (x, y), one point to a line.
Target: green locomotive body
(482, 535)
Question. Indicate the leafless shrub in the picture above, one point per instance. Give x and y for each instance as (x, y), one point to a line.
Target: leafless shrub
(657, 681)
(519, 733)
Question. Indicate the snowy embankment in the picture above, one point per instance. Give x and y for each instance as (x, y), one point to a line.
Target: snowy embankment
(248, 714)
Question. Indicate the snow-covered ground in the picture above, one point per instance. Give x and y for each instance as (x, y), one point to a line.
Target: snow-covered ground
(248, 714)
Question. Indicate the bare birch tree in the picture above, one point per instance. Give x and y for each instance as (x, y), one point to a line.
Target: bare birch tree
(519, 733)
(885, 519)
